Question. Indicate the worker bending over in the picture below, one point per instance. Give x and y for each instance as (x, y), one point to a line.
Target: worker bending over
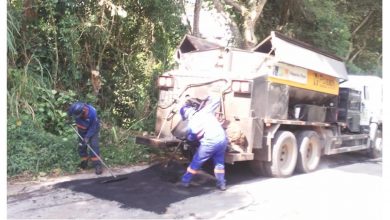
(204, 127)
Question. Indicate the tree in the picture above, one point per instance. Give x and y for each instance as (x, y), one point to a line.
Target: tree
(245, 15)
(351, 30)
(108, 51)
(198, 7)
(365, 22)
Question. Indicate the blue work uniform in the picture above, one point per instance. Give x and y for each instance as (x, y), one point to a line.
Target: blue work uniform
(88, 126)
(205, 127)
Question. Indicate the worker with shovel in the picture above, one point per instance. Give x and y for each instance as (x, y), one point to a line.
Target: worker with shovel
(88, 126)
(204, 127)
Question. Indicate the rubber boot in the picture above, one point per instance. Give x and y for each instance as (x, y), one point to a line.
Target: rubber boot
(221, 186)
(83, 164)
(183, 185)
(98, 169)
(185, 180)
(221, 182)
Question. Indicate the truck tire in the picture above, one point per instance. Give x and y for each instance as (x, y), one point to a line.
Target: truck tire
(284, 155)
(309, 154)
(375, 150)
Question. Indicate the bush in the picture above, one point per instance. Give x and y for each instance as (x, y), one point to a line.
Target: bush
(125, 154)
(31, 149)
(118, 147)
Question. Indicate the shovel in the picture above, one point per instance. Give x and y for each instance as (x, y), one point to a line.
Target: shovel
(115, 178)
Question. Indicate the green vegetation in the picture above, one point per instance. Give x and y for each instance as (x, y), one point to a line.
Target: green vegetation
(107, 53)
(33, 150)
(351, 30)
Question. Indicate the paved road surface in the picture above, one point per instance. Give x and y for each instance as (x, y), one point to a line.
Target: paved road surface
(347, 186)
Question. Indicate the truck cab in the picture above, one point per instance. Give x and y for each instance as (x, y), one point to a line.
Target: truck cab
(370, 88)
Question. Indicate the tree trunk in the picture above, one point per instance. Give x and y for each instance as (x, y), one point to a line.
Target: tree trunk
(237, 37)
(28, 10)
(358, 52)
(250, 39)
(198, 6)
(285, 13)
(250, 15)
(182, 5)
(353, 34)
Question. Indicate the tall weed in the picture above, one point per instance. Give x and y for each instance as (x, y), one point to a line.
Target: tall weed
(31, 149)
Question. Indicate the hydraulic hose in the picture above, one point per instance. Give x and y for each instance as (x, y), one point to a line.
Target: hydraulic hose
(190, 86)
(173, 111)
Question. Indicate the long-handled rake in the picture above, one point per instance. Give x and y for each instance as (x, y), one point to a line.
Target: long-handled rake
(116, 179)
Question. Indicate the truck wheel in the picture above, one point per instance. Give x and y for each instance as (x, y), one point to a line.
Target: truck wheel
(284, 155)
(309, 151)
(376, 149)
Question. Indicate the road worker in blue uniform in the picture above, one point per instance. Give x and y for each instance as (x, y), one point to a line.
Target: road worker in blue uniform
(204, 127)
(88, 126)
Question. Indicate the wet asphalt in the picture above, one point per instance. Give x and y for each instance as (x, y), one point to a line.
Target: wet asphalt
(156, 187)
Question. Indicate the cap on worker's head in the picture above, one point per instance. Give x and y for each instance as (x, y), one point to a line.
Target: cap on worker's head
(77, 109)
(186, 111)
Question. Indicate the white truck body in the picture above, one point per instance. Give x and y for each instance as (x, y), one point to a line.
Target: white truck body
(284, 107)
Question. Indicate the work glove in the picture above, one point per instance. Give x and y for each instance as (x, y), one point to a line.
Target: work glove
(69, 120)
(191, 137)
(193, 102)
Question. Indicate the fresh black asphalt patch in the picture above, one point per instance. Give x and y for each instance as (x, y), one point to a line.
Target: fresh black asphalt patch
(155, 188)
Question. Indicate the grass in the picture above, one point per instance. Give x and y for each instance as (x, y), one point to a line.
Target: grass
(32, 151)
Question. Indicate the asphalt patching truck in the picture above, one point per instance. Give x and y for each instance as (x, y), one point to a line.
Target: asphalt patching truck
(283, 107)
